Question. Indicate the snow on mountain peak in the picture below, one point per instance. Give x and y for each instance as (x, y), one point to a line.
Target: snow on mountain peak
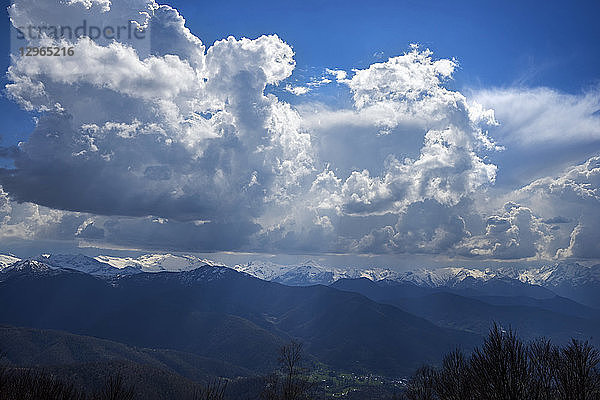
(27, 266)
(560, 273)
(264, 270)
(85, 264)
(446, 276)
(157, 262)
(7, 260)
(310, 272)
(550, 275)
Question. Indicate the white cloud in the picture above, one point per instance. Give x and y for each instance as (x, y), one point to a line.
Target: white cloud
(178, 134)
(424, 227)
(543, 116)
(578, 183)
(583, 241)
(32, 222)
(412, 76)
(297, 90)
(575, 196)
(104, 4)
(512, 234)
(449, 134)
(171, 144)
(319, 82)
(338, 74)
(409, 88)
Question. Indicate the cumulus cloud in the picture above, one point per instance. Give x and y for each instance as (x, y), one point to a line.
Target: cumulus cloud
(583, 241)
(183, 133)
(338, 74)
(424, 227)
(571, 199)
(349, 208)
(297, 90)
(29, 221)
(187, 133)
(408, 90)
(512, 234)
(163, 142)
(35, 223)
(578, 183)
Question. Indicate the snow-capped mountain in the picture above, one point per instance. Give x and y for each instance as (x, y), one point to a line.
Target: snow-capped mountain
(157, 262)
(109, 266)
(568, 279)
(377, 274)
(309, 273)
(264, 270)
(558, 274)
(85, 264)
(445, 277)
(25, 267)
(6, 260)
(548, 276)
(78, 262)
(305, 274)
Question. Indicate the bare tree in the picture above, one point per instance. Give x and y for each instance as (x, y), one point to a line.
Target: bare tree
(501, 367)
(271, 389)
(505, 369)
(453, 382)
(577, 375)
(290, 357)
(421, 385)
(543, 362)
(290, 382)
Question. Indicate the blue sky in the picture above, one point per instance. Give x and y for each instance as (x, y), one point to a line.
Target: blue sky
(468, 147)
(528, 43)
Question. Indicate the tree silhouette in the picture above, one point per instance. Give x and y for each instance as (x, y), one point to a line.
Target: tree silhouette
(290, 381)
(504, 368)
(421, 385)
(454, 379)
(577, 374)
(543, 368)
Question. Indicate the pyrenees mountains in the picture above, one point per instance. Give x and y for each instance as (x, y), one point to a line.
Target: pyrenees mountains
(371, 321)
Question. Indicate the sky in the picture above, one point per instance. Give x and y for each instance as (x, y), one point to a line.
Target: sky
(396, 132)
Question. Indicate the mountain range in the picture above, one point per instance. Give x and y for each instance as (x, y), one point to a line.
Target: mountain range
(568, 279)
(218, 312)
(362, 321)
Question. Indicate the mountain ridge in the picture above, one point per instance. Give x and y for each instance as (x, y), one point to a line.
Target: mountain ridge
(568, 279)
(550, 275)
(217, 312)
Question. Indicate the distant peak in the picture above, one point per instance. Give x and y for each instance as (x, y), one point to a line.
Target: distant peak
(27, 266)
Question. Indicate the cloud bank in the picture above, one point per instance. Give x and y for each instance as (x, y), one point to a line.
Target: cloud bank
(171, 143)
